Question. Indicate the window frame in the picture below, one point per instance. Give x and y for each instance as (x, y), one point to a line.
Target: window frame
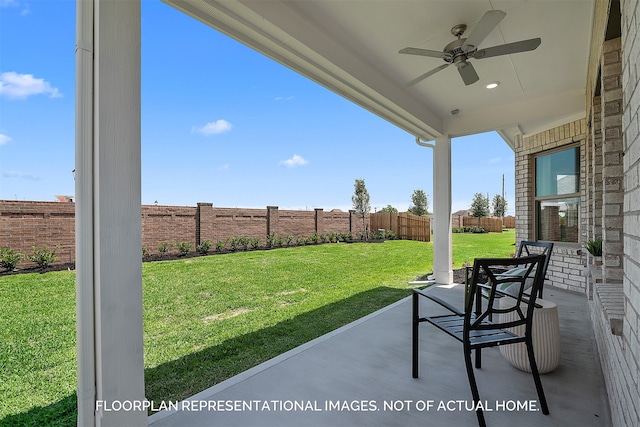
(538, 199)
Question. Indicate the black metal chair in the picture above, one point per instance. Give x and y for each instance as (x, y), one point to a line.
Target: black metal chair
(527, 248)
(472, 326)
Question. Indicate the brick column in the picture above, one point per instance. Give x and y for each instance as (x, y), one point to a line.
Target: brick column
(596, 171)
(204, 222)
(319, 220)
(612, 162)
(524, 206)
(272, 220)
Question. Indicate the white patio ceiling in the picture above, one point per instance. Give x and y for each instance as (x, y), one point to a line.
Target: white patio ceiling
(351, 47)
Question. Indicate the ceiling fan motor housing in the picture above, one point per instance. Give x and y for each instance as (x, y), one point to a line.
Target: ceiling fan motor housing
(458, 56)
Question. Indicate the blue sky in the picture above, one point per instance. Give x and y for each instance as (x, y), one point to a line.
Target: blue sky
(220, 123)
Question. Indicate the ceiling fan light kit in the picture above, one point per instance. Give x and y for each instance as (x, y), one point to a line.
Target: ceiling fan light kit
(459, 51)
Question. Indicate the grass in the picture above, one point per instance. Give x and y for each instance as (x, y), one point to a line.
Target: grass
(467, 246)
(206, 319)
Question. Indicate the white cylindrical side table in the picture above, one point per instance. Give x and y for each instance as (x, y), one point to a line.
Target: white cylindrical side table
(546, 337)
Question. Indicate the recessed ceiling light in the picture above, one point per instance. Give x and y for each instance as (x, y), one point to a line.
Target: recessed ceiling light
(492, 85)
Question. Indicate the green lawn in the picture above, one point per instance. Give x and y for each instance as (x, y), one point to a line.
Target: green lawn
(467, 246)
(208, 318)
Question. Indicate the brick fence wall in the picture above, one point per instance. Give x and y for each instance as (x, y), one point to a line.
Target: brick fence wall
(26, 224)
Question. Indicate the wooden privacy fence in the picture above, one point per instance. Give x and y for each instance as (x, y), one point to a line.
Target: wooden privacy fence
(509, 222)
(406, 226)
(492, 225)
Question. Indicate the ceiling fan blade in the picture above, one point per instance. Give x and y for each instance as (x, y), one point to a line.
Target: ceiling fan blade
(426, 52)
(427, 74)
(482, 30)
(468, 74)
(506, 49)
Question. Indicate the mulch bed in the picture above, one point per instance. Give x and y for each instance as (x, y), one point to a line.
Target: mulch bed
(36, 269)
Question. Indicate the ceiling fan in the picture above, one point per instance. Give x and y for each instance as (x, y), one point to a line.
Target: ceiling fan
(459, 51)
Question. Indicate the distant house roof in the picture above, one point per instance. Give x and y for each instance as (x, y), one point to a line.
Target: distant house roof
(65, 199)
(463, 212)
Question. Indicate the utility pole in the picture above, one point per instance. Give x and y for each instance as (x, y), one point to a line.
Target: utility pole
(503, 195)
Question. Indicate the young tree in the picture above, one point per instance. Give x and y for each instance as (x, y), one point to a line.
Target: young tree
(419, 203)
(499, 205)
(479, 206)
(360, 200)
(389, 208)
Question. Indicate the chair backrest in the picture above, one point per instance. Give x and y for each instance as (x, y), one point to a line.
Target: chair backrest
(527, 248)
(476, 315)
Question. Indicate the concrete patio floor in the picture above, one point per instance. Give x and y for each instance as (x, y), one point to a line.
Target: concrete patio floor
(360, 375)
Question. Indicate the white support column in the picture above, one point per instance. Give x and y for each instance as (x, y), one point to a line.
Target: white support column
(442, 268)
(108, 222)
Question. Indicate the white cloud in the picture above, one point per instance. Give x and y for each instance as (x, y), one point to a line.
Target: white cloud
(14, 3)
(214, 128)
(294, 161)
(20, 86)
(224, 167)
(283, 98)
(4, 139)
(20, 175)
(495, 160)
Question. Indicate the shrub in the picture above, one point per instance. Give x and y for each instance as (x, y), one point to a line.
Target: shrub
(234, 242)
(204, 247)
(378, 235)
(255, 243)
(289, 239)
(244, 242)
(220, 245)
(145, 251)
(43, 257)
(183, 247)
(163, 247)
(9, 259)
(315, 237)
(390, 235)
(457, 230)
(301, 241)
(271, 240)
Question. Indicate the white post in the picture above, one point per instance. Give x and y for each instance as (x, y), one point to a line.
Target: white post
(84, 214)
(442, 268)
(109, 231)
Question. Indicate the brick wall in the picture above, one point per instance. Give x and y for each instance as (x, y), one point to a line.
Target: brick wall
(620, 354)
(566, 268)
(612, 154)
(27, 224)
(167, 224)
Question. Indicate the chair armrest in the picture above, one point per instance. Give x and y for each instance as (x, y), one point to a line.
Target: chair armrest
(439, 301)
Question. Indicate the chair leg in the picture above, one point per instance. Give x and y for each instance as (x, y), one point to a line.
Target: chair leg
(536, 376)
(474, 386)
(478, 354)
(478, 310)
(414, 335)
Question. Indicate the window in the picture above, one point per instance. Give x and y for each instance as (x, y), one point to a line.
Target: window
(557, 195)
